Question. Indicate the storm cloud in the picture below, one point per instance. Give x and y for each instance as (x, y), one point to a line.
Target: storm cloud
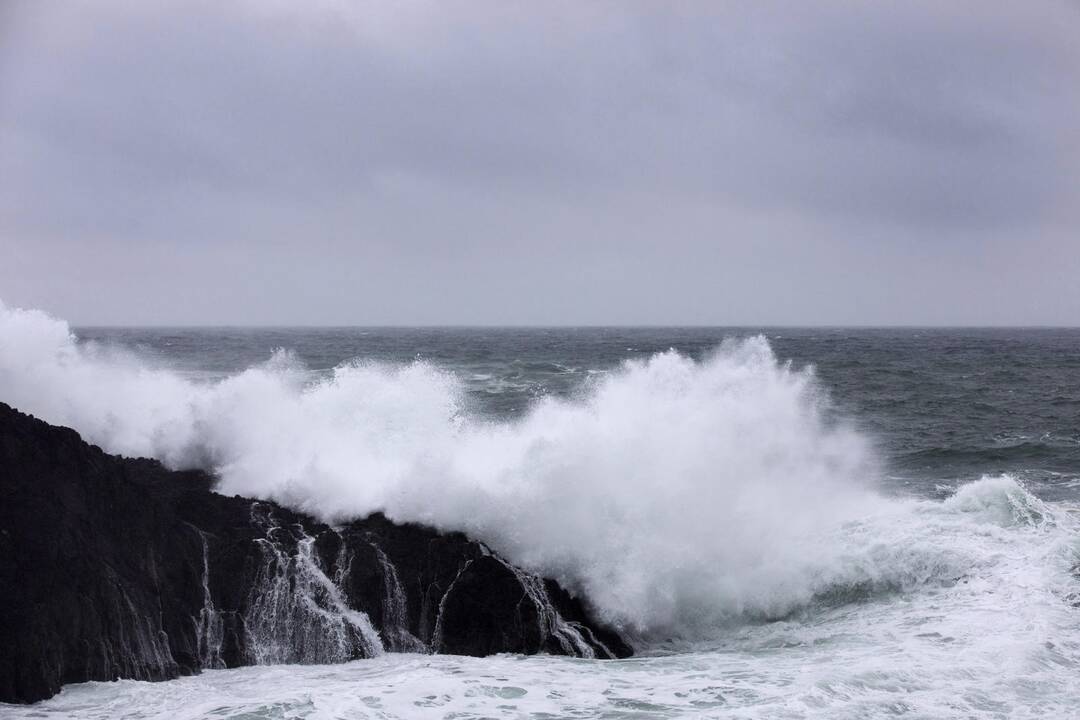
(548, 162)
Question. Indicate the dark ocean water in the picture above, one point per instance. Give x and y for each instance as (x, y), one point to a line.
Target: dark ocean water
(944, 406)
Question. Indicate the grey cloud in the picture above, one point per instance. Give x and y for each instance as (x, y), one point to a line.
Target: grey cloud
(560, 139)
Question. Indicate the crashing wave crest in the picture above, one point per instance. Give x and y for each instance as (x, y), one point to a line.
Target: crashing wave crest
(676, 495)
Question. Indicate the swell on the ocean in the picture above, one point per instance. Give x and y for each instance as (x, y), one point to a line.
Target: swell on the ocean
(677, 496)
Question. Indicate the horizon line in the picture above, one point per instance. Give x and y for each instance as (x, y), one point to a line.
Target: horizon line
(542, 326)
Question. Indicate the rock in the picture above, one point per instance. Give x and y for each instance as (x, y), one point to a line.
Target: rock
(119, 568)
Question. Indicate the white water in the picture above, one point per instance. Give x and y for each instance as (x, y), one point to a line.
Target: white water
(709, 503)
(997, 640)
(395, 611)
(298, 614)
(677, 496)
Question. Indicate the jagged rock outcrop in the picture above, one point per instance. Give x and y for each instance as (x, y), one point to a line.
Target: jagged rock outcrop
(119, 568)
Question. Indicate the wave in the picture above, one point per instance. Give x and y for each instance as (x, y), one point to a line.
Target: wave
(677, 496)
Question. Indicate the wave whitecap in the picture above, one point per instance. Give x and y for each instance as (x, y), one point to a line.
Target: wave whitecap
(676, 495)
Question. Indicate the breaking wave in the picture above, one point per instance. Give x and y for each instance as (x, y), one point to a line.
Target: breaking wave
(678, 496)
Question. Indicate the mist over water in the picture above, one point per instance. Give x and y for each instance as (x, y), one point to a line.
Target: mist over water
(891, 531)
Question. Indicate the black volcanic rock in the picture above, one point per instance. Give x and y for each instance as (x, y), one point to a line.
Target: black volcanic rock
(119, 568)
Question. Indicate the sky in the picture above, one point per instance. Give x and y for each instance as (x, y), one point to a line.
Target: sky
(557, 163)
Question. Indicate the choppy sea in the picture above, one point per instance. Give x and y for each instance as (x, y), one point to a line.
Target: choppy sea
(789, 523)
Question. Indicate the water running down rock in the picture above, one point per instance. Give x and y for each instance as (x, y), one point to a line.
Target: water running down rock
(119, 568)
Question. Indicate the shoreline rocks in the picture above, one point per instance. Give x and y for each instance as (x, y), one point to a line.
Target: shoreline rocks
(120, 568)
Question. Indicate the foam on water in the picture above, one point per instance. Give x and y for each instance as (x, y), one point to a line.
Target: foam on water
(995, 640)
(708, 507)
(676, 495)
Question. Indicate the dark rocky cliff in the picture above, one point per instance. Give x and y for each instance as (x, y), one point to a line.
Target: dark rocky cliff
(119, 568)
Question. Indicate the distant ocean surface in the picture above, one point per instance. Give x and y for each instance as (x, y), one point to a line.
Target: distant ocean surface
(790, 523)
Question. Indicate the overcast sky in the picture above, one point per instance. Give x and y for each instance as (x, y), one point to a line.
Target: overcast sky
(338, 162)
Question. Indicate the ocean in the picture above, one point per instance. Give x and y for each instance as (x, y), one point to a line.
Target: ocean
(787, 522)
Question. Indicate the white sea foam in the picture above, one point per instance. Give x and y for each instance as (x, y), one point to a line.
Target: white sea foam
(997, 640)
(687, 499)
(680, 497)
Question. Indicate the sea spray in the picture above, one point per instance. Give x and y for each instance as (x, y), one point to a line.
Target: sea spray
(995, 638)
(676, 495)
(962, 603)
